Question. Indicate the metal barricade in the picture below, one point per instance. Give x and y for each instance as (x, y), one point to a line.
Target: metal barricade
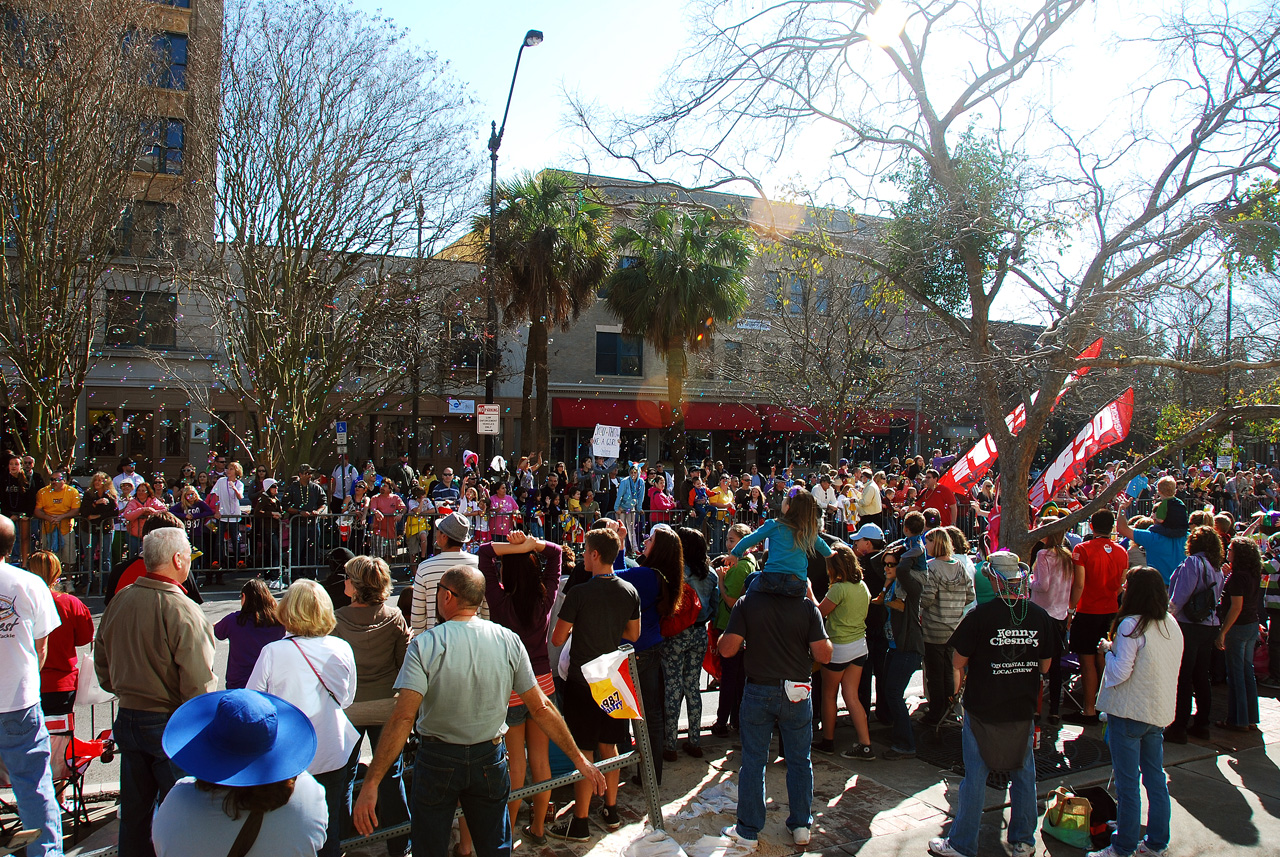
(642, 755)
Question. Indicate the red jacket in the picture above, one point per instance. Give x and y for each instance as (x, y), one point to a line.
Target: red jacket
(59, 672)
(941, 498)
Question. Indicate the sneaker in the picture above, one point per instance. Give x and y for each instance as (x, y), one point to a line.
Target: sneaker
(859, 752)
(731, 833)
(825, 746)
(1145, 850)
(800, 836)
(940, 847)
(692, 749)
(720, 730)
(531, 838)
(1268, 681)
(1109, 851)
(610, 818)
(571, 830)
(894, 755)
(1023, 849)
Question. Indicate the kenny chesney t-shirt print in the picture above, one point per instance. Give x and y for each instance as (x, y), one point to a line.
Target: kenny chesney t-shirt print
(1004, 644)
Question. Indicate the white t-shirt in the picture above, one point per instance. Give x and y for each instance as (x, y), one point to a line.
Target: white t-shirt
(27, 614)
(282, 671)
(134, 479)
(229, 494)
(188, 815)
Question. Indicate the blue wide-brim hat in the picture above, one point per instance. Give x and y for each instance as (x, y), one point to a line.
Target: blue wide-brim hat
(240, 738)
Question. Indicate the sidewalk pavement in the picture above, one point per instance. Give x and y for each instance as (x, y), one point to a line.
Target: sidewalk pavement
(1226, 801)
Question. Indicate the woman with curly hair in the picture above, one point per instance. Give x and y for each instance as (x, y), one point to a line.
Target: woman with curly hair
(1194, 592)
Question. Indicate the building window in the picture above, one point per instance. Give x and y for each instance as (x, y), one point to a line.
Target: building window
(171, 60)
(181, 4)
(141, 319)
(732, 360)
(148, 230)
(795, 303)
(163, 141)
(619, 354)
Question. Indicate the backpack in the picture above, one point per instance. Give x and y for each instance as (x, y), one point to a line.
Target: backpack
(1202, 603)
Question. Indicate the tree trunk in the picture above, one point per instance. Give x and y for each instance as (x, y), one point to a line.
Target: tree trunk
(528, 431)
(677, 366)
(542, 421)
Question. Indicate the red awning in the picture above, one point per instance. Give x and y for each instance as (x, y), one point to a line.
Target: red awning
(590, 412)
(709, 416)
(787, 419)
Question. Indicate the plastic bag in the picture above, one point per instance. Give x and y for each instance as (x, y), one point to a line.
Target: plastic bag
(88, 691)
(654, 843)
(610, 682)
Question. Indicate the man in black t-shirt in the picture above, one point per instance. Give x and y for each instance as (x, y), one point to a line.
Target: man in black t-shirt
(598, 612)
(783, 636)
(1006, 644)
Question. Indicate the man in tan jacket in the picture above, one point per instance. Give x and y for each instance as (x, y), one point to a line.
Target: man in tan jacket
(154, 651)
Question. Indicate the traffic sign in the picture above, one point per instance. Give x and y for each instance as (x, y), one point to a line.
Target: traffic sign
(488, 419)
(340, 427)
(342, 438)
(342, 448)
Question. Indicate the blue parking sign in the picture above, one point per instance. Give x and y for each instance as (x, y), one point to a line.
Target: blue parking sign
(340, 428)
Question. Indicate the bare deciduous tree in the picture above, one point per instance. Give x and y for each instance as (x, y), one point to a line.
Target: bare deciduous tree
(82, 85)
(342, 156)
(990, 184)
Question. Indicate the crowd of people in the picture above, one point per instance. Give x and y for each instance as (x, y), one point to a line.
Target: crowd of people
(464, 680)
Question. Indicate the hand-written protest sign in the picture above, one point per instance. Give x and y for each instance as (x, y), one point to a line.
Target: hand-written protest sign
(607, 441)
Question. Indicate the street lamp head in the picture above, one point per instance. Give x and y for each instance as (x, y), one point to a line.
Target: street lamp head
(532, 38)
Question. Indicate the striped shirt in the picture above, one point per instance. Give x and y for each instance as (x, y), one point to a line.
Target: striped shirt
(424, 587)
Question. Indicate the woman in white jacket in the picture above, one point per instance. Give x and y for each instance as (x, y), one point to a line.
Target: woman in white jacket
(1139, 691)
(317, 673)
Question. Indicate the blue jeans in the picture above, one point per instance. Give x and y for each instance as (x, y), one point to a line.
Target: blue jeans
(98, 562)
(762, 706)
(337, 798)
(963, 835)
(778, 583)
(899, 666)
(393, 806)
(24, 748)
(1242, 687)
(146, 775)
(474, 775)
(1138, 748)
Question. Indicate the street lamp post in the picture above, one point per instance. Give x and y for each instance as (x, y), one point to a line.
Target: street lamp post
(417, 345)
(531, 39)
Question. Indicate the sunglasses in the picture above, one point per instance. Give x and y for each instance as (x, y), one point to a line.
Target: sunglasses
(440, 586)
(890, 565)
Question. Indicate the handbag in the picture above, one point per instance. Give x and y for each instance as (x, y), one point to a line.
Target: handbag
(1080, 819)
(682, 619)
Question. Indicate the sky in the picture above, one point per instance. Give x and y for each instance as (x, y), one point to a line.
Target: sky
(611, 52)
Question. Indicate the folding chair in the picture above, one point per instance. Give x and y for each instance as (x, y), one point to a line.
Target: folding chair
(71, 758)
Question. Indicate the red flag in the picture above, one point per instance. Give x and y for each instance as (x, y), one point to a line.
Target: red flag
(975, 463)
(1108, 427)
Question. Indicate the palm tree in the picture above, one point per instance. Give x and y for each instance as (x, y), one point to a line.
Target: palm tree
(684, 273)
(551, 252)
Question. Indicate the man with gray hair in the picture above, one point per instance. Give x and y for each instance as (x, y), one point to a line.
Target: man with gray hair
(154, 651)
(455, 687)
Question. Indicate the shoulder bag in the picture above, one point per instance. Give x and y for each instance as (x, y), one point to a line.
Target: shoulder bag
(314, 671)
(247, 836)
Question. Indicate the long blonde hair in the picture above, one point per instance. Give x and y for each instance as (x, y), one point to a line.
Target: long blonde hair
(801, 514)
